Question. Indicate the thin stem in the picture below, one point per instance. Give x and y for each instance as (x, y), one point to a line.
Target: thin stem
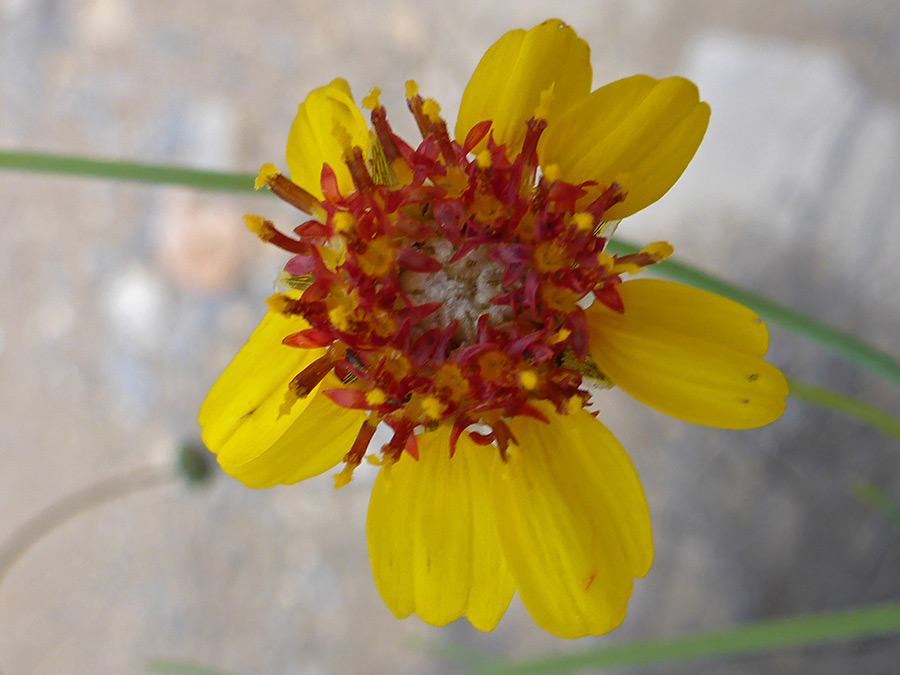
(851, 348)
(63, 510)
(852, 407)
(72, 165)
(769, 635)
(171, 667)
(877, 498)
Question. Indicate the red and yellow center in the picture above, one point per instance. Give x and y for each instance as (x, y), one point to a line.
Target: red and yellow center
(447, 287)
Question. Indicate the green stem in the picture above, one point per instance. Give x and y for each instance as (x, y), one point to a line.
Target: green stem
(122, 170)
(773, 634)
(59, 512)
(63, 510)
(851, 348)
(877, 498)
(852, 407)
(170, 667)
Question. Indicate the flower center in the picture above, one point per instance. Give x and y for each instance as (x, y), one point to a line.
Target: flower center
(445, 288)
(463, 289)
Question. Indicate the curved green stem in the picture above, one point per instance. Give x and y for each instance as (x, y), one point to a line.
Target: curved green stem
(73, 165)
(877, 498)
(172, 667)
(63, 510)
(847, 405)
(761, 636)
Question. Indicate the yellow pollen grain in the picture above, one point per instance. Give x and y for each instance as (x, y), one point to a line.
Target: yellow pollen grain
(412, 89)
(259, 226)
(266, 172)
(339, 317)
(526, 226)
(344, 477)
(450, 379)
(384, 323)
(659, 250)
(549, 256)
(484, 159)
(560, 335)
(606, 260)
(487, 207)
(378, 258)
(432, 110)
(278, 302)
(403, 174)
(574, 404)
(376, 397)
(333, 254)
(343, 221)
(340, 309)
(551, 172)
(456, 182)
(583, 221)
(396, 364)
(373, 100)
(559, 298)
(529, 379)
(432, 407)
(626, 268)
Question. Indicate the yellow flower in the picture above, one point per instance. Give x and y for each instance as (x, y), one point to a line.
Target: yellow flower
(458, 293)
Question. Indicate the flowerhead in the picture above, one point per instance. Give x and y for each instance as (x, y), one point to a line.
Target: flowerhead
(457, 292)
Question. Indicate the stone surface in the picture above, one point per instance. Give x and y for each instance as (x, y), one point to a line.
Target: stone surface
(121, 303)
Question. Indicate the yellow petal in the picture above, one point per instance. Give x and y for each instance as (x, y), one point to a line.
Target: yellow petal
(507, 84)
(326, 122)
(688, 353)
(431, 536)
(243, 421)
(573, 523)
(638, 132)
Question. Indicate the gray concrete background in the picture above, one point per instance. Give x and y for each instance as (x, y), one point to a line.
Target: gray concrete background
(121, 303)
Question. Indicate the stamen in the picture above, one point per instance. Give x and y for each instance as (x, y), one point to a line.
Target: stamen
(309, 378)
(357, 165)
(392, 154)
(373, 100)
(265, 230)
(611, 195)
(583, 220)
(289, 191)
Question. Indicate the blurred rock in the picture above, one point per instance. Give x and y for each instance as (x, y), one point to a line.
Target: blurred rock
(202, 246)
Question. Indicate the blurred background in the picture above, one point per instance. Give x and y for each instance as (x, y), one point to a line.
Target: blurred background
(121, 303)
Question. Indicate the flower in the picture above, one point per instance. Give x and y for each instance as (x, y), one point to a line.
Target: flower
(458, 294)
